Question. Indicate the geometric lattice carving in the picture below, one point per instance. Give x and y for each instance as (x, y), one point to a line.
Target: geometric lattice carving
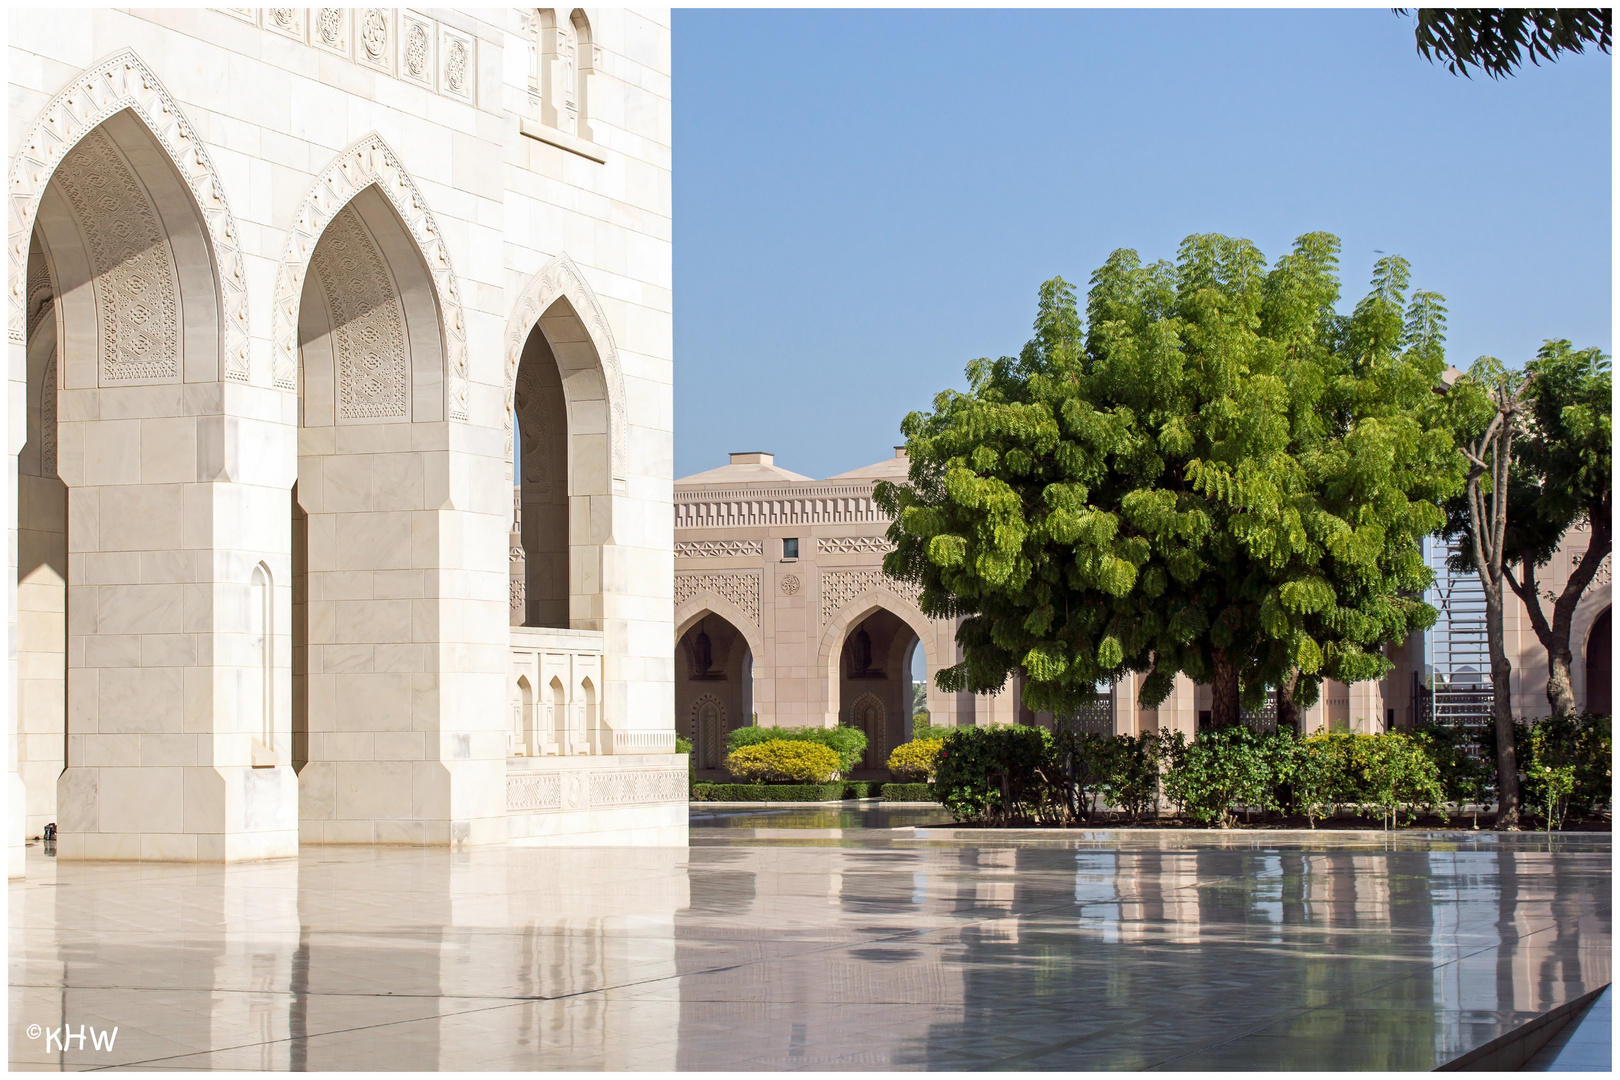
(137, 297)
(121, 82)
(717, 549)
(742, 590)
(839, 587)
(558, 278)
(368, 323)
(534, 791)
(368, 161)
(632, 786)
(854, 545)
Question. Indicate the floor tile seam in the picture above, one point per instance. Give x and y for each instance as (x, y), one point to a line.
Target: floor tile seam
(504, 1004)
(1349, 997)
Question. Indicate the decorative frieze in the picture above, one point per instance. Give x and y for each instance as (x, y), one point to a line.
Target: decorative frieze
(632, 787)
(718, 549)
(404, 44)
(854, 545)
(533, 791)
(842, 587)
(741, 590)
(799, 505)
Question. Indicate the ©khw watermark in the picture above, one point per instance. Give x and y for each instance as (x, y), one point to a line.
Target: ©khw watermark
(64, 1037)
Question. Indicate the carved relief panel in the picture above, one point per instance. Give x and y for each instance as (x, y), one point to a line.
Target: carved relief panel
(458, 72)
(416, 48)
(136, 285)
(374, 38)
(329, 30)
(368, 323)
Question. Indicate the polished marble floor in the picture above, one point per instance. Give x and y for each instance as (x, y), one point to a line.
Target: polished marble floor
(820, 939)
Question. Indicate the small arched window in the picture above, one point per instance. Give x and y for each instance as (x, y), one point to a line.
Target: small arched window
(565, 59)
(262, 678)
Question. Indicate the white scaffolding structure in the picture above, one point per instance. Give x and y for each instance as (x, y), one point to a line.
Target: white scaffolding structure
(1457, 686)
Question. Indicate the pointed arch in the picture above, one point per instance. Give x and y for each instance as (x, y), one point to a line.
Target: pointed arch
(366, 163)
(857, 611)
(559, 302)
(124, 82)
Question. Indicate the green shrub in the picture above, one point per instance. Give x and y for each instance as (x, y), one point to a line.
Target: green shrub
(1397, 774)
(847, 742)
(1463, 775)
(683, 745)
(784, 761)
(861, 789)
(1220, 770)
(707, 792)
(1131, 779)
(1569, 752)
(916, 759)
(994, 774)
(1075, 766)
(908, 793)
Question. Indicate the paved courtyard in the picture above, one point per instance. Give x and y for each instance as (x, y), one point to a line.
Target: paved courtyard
(793, 939)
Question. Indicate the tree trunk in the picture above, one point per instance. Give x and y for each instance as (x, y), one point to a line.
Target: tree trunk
(1225, 710)
(1288, 712)
(1507, 765)
(1560, 692)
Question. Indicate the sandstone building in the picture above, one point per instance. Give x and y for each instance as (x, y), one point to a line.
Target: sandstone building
(783, 616)
(278, 278)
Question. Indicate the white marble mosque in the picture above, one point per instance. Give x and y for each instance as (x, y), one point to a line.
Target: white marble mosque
(278, 278)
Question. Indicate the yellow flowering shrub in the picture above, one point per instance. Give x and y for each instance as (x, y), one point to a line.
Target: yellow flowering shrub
(916, 760)
(784, 761)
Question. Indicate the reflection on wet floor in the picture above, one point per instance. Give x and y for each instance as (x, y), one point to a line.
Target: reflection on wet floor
(908, 948)
(849, 815)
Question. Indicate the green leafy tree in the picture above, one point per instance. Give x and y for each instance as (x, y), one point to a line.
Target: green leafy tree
(1564, 467)
(1497, 40)
(1485, 408)
(1214, 474)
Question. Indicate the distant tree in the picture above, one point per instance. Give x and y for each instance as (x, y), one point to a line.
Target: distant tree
(1562, 478)
(1215, 475)
(1485, 411)
(1497, 40)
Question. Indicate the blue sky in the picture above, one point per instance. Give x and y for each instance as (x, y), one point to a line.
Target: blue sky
(867, 200)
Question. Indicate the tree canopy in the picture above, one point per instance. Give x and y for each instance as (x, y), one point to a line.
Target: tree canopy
(1213, 473)
(1561, 477)
(1497, 40)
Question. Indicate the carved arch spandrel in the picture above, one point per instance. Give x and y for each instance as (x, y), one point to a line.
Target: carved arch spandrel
(369, 161)
(123, 81)
(560, 279)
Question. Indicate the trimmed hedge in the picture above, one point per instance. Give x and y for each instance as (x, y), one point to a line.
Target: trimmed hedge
(908, 793)
(784, 761)
(706, 792)
(1017, 774)
(847, 742)
(916, 760)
